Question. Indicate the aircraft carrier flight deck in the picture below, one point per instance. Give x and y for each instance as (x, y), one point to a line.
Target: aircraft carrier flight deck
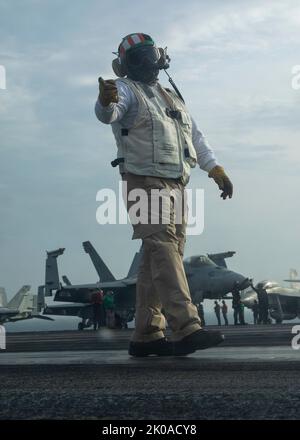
(254, 374)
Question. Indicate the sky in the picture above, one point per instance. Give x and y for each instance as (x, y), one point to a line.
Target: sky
(233, 63)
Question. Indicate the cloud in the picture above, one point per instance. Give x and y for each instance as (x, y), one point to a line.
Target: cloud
(88, 80)
(234, 27)
(255, 150)
(84, 81)
(55, 155)
(268, 113)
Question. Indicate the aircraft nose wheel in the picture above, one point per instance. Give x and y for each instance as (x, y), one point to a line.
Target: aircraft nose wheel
(80, 326)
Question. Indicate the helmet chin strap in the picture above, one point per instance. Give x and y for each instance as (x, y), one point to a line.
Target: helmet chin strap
(174, 87)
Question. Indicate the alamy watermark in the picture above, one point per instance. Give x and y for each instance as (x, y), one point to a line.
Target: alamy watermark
(296, 77)
(2, 77)
(155, 206)
(296, 338)
(2, 338)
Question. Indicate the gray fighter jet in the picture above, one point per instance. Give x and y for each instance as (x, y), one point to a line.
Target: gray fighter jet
(208, 277)
(284, 302)
(23, 305)
(79, 296)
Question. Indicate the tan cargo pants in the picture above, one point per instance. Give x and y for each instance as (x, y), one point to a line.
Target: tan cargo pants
(162, 282)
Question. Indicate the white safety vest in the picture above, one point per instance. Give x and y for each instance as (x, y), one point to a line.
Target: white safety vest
(160, 141)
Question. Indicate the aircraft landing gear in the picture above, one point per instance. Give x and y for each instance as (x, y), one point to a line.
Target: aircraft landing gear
(82, 325)
(86, 315)
(279, 318)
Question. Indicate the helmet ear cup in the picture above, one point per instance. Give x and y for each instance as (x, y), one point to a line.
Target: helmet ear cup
(118, 68)
(164, 60)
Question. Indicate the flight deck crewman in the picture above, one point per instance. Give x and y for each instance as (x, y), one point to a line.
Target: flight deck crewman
(97, 304)
(225, 312)
(109, 306)
(158, 142)
(217, 310)
(255, 310)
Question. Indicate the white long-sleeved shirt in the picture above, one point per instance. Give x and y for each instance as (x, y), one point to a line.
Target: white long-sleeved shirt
(125, 111)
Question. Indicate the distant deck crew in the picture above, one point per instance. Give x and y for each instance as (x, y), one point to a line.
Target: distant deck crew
(224, 312)
(217, 310)
(109, 306)
(263, 303)
(97, 304)
(201, 314)
(255, 311)
(235, 305)
(241, 312)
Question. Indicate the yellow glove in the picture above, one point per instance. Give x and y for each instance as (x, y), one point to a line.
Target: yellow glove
(222, 180)
(108, 91)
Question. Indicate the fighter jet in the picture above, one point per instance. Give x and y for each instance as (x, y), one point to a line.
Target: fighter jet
(79, 296)
(22, 306)
(208, 277)
(284, 302)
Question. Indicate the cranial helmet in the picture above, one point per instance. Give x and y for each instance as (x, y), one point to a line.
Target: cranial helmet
(140, 59)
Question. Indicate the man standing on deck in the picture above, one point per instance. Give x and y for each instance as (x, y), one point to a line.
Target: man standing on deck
(158, 143)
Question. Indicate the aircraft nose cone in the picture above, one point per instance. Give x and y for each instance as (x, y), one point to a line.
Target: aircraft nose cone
(244, 283)
(240, 282)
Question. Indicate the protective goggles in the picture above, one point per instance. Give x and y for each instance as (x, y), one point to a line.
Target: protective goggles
(143, 55)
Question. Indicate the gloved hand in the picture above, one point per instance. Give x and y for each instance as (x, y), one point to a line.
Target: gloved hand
(108, 91)
(222, 180)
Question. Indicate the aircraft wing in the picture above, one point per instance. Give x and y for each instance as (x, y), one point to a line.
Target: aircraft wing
(26, 318)
(6, 314)
(284, 291)
(249, 296)
(64, 309)
(292, 281)
(129, 282)
(46, 318)
(83, 288)
(118, 284)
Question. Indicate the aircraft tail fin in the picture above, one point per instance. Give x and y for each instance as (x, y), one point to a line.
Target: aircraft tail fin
(101, 268)
(22, 301)
(35, 304)
(40, 299)
(133, 270)
(219, 259)
(3, 297)
(66, 280)
(51, 272)
(293, 279)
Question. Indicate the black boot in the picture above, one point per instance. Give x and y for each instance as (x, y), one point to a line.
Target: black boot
(160, 347)
(199, 340)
